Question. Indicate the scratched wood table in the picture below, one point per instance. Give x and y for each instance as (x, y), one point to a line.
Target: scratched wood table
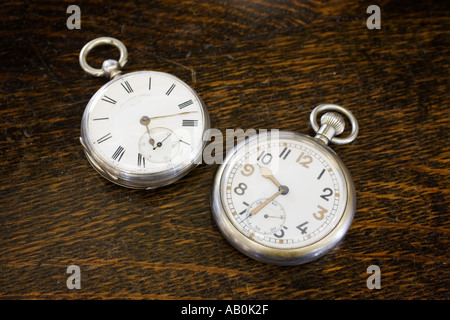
(256, 64)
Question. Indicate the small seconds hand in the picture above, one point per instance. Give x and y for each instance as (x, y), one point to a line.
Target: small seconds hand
(159, 144)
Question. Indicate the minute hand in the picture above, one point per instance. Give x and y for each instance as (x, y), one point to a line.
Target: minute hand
(172, 115)
(262, 205)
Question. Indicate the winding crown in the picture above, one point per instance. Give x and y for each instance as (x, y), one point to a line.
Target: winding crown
(331, 124)
(334, 120)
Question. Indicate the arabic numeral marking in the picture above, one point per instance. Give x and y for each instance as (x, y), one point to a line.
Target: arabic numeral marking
(321, 174)
(245, 210)
(284, 154)
(321, 213)
(280, 233)
(264, 157)
(240, 189)
(302, 227)
(327, 193)
(304, 160)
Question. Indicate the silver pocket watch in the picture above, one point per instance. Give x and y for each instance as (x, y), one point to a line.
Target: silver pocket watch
(142, 129)
(287, 199)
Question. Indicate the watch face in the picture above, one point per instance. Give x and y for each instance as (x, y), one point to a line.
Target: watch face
(145, 123)
(283, 194)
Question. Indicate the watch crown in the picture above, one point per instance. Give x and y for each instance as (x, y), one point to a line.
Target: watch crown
(331, 124)
(334, 120)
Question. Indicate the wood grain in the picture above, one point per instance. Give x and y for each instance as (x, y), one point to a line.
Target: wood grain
(257, 64)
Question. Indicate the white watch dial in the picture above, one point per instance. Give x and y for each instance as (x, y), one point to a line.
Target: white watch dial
(283, 193)
(144, 122)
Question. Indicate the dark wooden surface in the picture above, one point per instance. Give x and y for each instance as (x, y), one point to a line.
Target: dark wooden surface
(256, 64)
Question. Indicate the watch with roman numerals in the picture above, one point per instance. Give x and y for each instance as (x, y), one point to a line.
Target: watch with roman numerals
(142, 129)
(286, 198)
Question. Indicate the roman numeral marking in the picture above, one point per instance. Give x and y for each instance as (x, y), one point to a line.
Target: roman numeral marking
(104, 138)
(170, 89)
(127, 87)
(190, 123)
(284, 154)
(108, 99)
(117, 155)
(140, 161)
(185, 104)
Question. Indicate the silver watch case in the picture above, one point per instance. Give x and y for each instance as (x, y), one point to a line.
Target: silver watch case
(131, 179)
(292, 256)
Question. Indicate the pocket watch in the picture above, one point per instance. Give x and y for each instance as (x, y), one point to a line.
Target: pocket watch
(142, 129)
(286, 198)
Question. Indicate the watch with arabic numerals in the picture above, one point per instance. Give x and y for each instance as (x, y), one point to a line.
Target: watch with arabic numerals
(287, 198)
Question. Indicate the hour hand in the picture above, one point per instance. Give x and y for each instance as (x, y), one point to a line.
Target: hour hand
(145, 121)
(267, 173)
